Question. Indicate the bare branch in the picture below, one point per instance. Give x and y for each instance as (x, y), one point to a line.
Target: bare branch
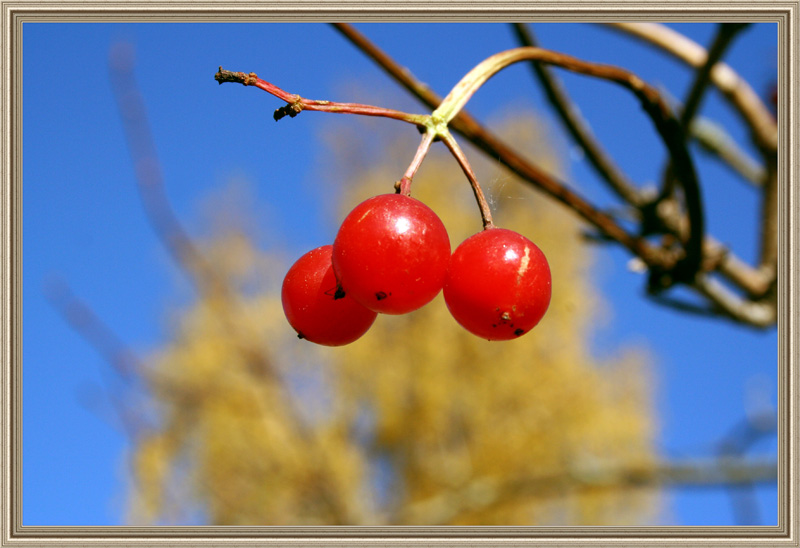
(715, 140)
(577, 127)
(726, 32)
(769, 220)
(755, 113)
(733, 87)
(756, 314)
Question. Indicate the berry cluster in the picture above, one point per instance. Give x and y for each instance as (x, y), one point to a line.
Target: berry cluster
(392, 255)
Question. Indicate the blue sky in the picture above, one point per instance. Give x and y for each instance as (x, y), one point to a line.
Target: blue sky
(84, 223)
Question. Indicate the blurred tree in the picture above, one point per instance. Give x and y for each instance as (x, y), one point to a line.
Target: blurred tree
(419, 422)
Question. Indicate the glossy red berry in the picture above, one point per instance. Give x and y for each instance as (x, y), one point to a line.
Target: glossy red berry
(314, 308)
(391, 254)
(498, 284)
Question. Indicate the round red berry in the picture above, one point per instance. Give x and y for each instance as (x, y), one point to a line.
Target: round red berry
(316, 308)
(391, 254)
(498, 284)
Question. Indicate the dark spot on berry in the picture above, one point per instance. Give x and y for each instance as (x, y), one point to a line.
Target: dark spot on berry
(494, 325)
(339, 293)
(380, 295)
(519, 332)
(336, 292)
(300, 336)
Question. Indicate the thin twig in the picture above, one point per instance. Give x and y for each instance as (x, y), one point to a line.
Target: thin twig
(296, 104)
(726, 32)
(577, 127)
(756, 314)
(769, 220)
(733, 87)
(762, 124)
(713, 139)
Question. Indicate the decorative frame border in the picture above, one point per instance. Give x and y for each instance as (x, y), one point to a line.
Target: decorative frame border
(16, 13)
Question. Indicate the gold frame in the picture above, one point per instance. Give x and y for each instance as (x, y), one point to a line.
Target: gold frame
(15, 13)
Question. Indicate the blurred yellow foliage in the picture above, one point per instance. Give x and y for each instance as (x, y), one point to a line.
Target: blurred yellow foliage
(419, 422)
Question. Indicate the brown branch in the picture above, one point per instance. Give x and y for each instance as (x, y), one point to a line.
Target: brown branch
(726, 32)
(769, 221)
(673, 136)
(713, 139)
(756, 314)
(733, 87)
(577, 127)
(754, 112)
(752, 281)
(742, 274)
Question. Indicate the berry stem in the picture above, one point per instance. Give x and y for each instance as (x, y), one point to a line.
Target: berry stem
(403, 186)
(458, 154)
(296, 104)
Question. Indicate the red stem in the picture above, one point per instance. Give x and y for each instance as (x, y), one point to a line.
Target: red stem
(296, 103)
(486, 213)
(404, 185)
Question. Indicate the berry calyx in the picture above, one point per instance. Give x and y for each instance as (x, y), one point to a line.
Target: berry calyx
(498, 284)
(315, 306)
(391, 254)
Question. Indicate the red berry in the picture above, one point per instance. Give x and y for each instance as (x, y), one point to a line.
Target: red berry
(314, 308)
(498, 284)
(391, 254)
